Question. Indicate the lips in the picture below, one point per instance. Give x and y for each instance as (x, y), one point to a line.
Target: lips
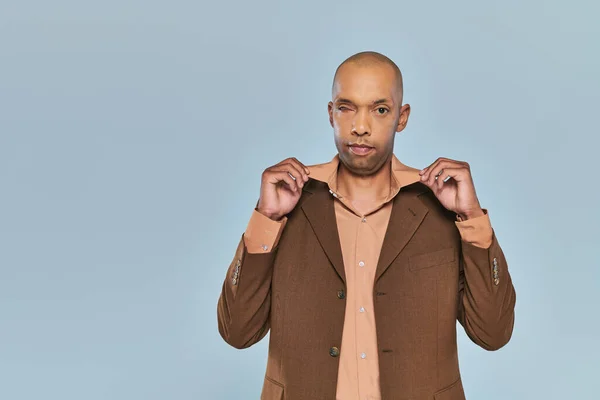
(360, 149)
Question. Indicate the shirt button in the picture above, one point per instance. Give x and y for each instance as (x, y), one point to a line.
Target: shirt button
(361, 264)
(362, 309)
(363, 355)
(265, 247)
(364, 219)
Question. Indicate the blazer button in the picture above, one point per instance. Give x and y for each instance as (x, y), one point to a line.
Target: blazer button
(341, 294)
(334, 352)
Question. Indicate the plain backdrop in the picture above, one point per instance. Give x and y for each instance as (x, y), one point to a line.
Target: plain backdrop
(132, 139)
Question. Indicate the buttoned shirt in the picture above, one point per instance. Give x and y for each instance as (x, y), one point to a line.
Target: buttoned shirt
(361, 237)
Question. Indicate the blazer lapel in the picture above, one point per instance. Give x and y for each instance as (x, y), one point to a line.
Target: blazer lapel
(406, 216)
(320, 211)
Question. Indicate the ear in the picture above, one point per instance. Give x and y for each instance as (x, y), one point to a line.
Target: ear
(330, 111)
(403, 120)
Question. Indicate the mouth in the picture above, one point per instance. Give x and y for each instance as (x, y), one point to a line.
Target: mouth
(360, 149)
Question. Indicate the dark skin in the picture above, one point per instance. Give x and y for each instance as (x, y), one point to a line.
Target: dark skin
(458, 193)
(366, 109)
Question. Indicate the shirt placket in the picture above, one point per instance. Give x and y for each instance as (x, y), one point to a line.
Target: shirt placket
(363, 308)
(360, 301)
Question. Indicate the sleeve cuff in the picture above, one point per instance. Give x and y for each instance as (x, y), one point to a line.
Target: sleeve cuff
(262, 233)
(477, 231)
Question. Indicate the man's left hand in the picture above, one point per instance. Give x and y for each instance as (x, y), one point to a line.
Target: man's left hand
(452, 184)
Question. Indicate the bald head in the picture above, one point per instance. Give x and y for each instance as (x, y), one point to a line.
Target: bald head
(368, 59)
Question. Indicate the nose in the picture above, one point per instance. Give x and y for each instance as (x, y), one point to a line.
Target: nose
(360, 124)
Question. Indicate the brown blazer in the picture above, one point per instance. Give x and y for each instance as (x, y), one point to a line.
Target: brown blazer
(427, 278)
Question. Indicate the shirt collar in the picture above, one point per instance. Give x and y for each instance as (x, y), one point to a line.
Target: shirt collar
(402, 175)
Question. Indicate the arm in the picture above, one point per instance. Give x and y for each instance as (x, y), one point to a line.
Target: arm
(486, 293)
(245, 302)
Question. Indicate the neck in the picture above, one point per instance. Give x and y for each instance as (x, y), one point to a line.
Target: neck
(365, 188)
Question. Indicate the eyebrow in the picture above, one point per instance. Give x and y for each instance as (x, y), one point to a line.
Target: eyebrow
(376, 102)
(344, 101)
(381, 101)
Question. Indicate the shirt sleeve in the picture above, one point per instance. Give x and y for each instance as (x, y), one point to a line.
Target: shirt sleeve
(262, 233)
(477, 231)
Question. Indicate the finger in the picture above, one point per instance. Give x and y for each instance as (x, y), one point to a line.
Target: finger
(425, 171)
(275, 177)
(447, 174)
(295, 171)
(434, 170)
(301, 167)
(430, 176)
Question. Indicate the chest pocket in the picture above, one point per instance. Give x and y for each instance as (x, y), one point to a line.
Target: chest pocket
(432, 259)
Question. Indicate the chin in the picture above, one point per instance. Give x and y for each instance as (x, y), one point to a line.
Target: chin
(362, 166)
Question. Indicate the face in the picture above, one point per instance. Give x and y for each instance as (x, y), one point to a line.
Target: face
(366, 112)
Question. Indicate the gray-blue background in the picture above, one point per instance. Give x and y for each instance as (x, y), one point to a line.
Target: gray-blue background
(133, 135)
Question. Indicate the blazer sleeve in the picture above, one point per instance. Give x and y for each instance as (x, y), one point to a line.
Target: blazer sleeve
(244, 305)
(486, 295)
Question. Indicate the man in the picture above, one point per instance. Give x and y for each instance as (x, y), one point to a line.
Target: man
(360, 267)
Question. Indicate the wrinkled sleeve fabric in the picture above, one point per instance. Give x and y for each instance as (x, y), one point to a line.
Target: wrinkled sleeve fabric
(244, 305)
(487, 296)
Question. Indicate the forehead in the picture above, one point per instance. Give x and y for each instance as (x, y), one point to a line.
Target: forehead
(362, 83)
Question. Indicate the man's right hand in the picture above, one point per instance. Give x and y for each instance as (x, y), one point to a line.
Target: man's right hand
(281, 188)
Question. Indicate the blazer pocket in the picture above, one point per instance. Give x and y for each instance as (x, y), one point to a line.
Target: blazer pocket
(431, 259)
(453, 392)
(271, 390)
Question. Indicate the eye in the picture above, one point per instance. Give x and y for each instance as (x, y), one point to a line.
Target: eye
(343, 108)
(382, 110)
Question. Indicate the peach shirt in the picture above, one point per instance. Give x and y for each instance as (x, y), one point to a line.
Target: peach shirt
(361, 237)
